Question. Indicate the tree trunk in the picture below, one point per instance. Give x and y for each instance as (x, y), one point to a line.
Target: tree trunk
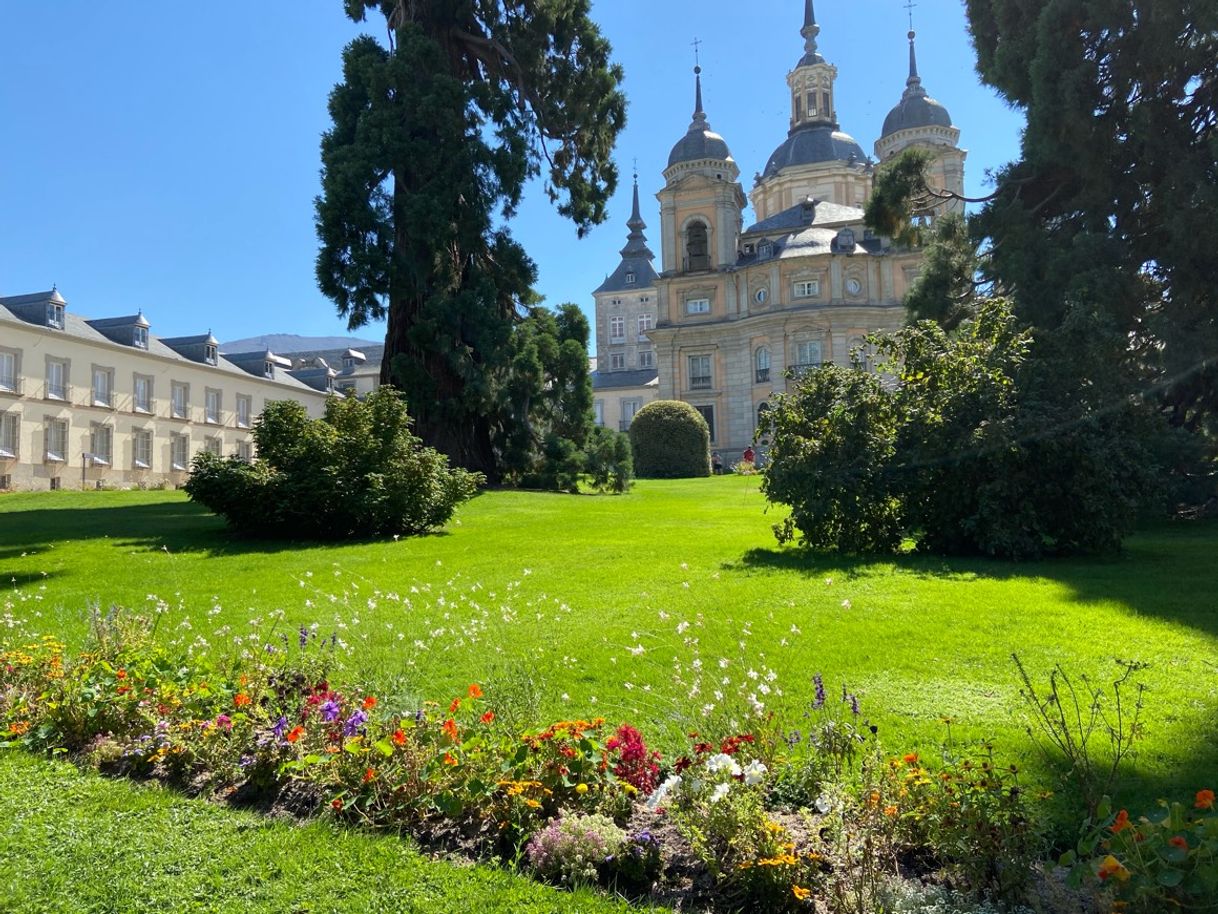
(465, 440)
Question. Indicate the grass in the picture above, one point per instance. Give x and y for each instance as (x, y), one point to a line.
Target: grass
(546, 600)
(104, 847)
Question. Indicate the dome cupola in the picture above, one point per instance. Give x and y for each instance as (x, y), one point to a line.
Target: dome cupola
(916, 108)
(700, 143)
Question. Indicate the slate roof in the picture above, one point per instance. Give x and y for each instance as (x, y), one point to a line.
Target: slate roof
(916, 108)
(795, 217)
(815, 143)
(636, 256)
(79, 328)
(700, 142)
(611, 380)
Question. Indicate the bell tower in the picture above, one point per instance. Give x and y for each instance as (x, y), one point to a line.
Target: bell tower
(701, 205)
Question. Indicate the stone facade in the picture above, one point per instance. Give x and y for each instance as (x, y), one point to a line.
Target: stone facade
(741, 312)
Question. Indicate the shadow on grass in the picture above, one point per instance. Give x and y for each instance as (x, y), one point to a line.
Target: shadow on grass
(176, 527)
(1166, 570)
(20, 579)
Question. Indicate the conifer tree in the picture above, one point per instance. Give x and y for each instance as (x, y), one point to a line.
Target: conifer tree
(435, 133)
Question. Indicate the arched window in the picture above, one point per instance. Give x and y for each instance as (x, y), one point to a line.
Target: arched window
(697, 247)
(761, 361)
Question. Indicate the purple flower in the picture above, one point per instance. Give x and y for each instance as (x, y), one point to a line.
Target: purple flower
(420, 717)
(354, 723)
(854, 705)
(304, 636)
(819, 680)
(280, 728)
(330, 710)
(224, 722)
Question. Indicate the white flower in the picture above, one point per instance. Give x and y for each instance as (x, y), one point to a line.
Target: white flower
(637, 650)
(720, 792)
(661, 793)
(754, 773)
(682, 628)
(845, 604)
(722, 762)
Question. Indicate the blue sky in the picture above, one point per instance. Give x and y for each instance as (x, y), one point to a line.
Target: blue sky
(165, 156)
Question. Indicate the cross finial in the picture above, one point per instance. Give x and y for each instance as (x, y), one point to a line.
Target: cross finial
(909, 8)
(697, 49)
(636, 168)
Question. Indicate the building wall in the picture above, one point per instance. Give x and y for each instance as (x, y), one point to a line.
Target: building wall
(616, 407)
(629, 306)
(31, 404)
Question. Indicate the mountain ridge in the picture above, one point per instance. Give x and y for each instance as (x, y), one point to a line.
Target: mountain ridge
(280, 343)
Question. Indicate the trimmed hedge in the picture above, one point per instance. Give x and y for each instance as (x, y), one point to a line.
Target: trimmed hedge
(670, 440)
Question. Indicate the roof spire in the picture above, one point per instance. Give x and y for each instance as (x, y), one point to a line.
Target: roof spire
(636, 241)
(810, 30)
(699, 113)
(914, 83)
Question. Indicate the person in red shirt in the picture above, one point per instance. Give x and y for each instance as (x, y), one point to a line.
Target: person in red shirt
(749, 455)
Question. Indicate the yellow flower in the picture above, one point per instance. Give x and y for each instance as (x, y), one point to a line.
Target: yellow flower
(581, 789)
(800, 893)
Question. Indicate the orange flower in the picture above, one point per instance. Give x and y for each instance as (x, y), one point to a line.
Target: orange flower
(452, 709)
(294, 734)
(488, 717)
(448, 759)
(121, 674)
(450, 729)
(1121, 822)
(1111, 867)
(399, 737)
(241, 699)
(891, 811)
(475, 691)
(911, 759)
(337, 803)
(369, 775)
(369, 703)
(800, 893)
(1179, 842)
(1205, 799)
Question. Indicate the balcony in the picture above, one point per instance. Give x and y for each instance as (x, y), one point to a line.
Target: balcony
(12, 387)
(700, 382)
(53, 391)
(763, 376)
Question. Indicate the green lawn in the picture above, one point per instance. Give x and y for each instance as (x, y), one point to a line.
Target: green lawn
(577, 605)
(73, 844)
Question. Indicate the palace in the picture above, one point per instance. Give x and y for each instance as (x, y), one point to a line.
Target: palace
(735, 314)
(98, 403)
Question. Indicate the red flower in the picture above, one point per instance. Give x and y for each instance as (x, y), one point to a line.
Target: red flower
(121, 674)
(1179, 842)
(1205, 799)
(399, 738)
(369, 703)
(911, 759)
(369, 775)
(294, 734)
(241, 699)
(450, 729)
(448, 759)
(475, 691)
(636, 764)
(452, 709)
(1121, 822)
(337, 803)
(488, 717)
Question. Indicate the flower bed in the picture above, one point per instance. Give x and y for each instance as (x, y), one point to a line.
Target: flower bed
(761, 819)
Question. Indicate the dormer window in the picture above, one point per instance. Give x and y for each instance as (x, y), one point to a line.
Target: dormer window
(765, 249)
(55, 315)
(630, 279)
(210, 354)
(139, 338)
(348, 363)
(268, 369)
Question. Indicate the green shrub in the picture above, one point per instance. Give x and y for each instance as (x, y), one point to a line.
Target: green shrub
(977, 450)
(358, 471)
(608, 460)
(670, 440)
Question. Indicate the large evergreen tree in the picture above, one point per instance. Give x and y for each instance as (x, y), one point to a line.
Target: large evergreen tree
(435, 134)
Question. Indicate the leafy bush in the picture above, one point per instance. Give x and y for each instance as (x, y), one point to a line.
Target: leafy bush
(974, 451)
(358, 471)
(608, 460)
(670, 440)
(1166, 863)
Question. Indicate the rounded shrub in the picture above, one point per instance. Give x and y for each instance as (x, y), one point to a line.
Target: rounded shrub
(670, 440)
